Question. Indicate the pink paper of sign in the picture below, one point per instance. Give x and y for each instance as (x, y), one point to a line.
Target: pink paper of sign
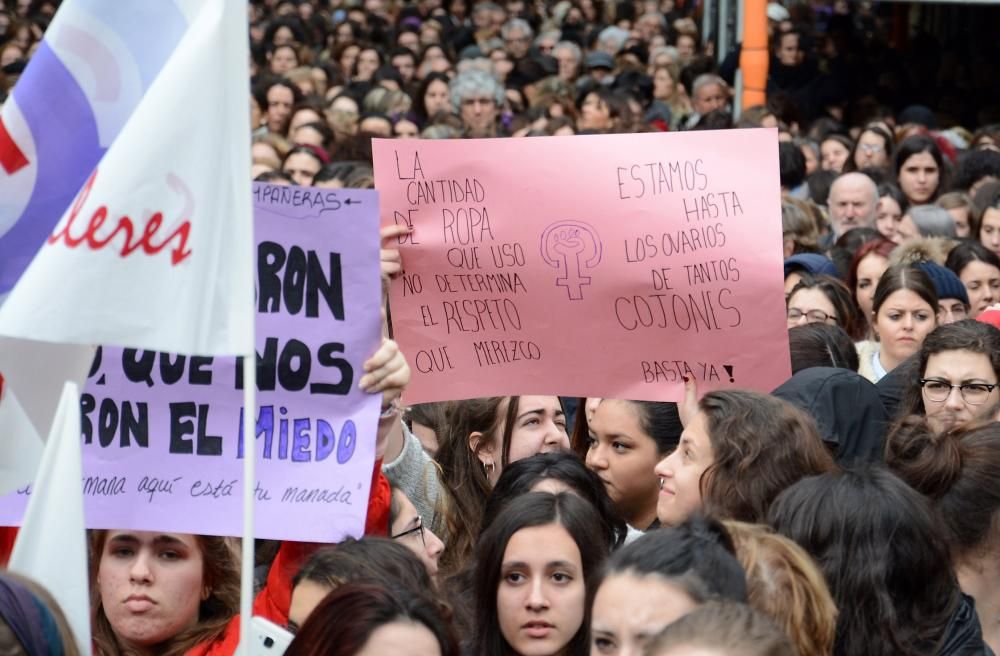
(607, 266)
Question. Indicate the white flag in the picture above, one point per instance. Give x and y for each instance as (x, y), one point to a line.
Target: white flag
(20, 446)
(155, 252)
(51, 547)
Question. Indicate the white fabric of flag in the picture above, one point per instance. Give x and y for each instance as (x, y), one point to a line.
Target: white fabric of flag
(155, 251)
(51, 547)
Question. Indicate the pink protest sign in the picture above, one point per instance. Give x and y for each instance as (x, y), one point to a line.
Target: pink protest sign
(608, 266)
(162, 433)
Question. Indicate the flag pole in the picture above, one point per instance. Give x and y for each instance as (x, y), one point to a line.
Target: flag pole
(236, 12)
(249, 486)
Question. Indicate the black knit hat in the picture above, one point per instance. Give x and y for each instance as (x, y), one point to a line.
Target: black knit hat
(945, 281)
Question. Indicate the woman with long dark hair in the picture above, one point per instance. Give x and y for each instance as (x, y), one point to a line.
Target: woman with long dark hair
(959, 472)
(371, 620)
(920, 169)
(737, 453)
(535, 572)
(886, 561)
(626, 439)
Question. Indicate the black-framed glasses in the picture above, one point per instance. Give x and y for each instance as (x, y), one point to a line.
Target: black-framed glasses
(419, 528)
(972, 393)
(814, 316)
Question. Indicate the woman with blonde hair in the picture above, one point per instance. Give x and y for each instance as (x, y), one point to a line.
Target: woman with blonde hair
(785, 583)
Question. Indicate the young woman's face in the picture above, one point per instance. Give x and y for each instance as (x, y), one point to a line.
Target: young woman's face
(368, 63)
(347, 59)
(408, 529)
(958, 367)
(151, 585)
(680, 473)
(887, 214)
(630, 610)
(623, 455)
(989, 232)
(303, 116)
(918, 178)
(401, 637)
(812, 162)
(302, 167)
(982, 282)
(283, 60)
(436, 98)
(870, 151)
(833, 155)
(870, 270)
(541, 596)
(594, 113)
(663, 84)
(539, 427)
(902, 323)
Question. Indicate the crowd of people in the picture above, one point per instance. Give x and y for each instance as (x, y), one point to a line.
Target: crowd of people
(851, 511)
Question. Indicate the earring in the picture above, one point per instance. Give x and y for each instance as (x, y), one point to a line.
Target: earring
(488, 468)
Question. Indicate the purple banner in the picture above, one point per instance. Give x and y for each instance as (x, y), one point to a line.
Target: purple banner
(162, 434)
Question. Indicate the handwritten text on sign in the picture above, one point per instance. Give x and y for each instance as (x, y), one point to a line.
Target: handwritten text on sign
(163, 434)
(607, 266)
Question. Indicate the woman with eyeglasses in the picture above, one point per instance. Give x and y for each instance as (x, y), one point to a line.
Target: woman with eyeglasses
(824, 299)
(873, 149)
(959, 375)
(407, 527)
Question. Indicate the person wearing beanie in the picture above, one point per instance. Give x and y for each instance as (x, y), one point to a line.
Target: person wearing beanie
(807, 264)
(953, 299)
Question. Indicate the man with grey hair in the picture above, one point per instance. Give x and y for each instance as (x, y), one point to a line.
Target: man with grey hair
(708, 93)
(852, 200)
(650, 24)
(568, 57)
(477, 97)
(546, 42)
(611, 40)
(517, 35)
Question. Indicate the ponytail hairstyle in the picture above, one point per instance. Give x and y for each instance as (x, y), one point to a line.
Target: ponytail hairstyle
(959, 472)
(786, 584)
